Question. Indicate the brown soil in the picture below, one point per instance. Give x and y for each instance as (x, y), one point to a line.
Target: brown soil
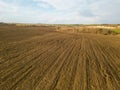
(39, 58)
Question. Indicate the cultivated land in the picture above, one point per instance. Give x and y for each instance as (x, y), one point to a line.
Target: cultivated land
(44, 58)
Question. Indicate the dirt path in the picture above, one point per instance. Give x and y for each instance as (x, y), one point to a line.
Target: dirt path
(61, 61)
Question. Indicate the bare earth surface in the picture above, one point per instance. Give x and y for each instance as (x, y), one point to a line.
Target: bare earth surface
(41, 59)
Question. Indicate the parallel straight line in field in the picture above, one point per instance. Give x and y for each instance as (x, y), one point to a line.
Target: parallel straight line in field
(55, 60)
(1, 62)
(24, 76)
(50, 68)
(38, 55)
(25, 57)
(33, 43)
(104, 53)
(74, 70)
(114, 74)
(68, 61)
(109, 48)
(98, 64)
(22, 56)
(30, 53)
(113, 58)
(86, 63)
(44, 62)
(82, 58)
(107, 66)
(68, 53)
(22, 67)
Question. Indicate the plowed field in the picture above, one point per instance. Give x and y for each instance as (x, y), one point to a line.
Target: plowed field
(40, 58)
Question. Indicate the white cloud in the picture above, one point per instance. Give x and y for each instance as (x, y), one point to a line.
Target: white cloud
(61, 11)
(61, 4)
(6, 7)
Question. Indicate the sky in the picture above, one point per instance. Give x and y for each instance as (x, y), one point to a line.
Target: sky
(60, 11)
